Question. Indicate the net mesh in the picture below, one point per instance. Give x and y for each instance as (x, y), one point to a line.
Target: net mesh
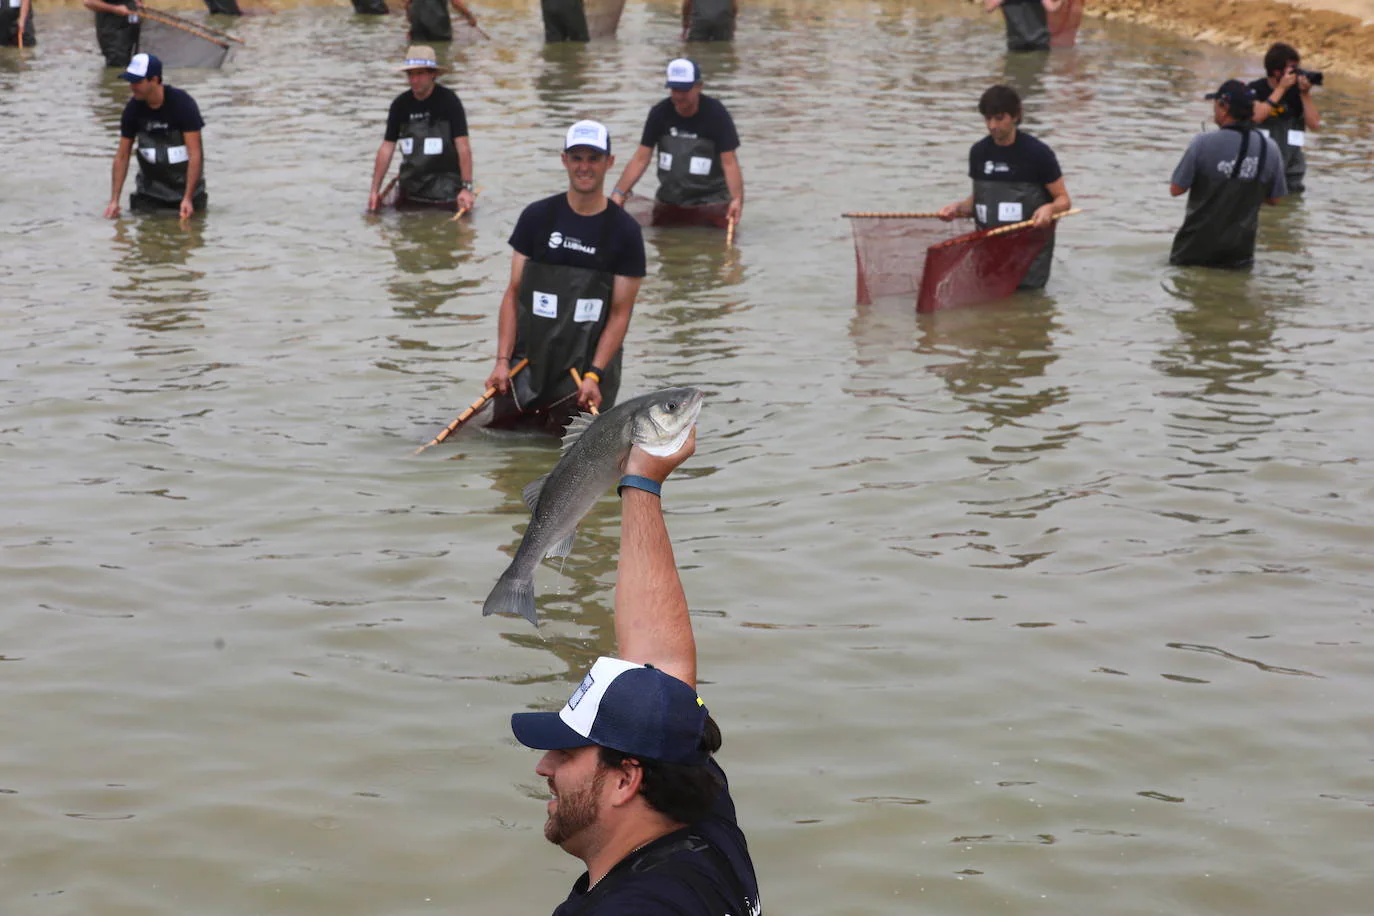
(889, 252)
(182, 43)
(603, 17)
(978, 267)
(1064, 23)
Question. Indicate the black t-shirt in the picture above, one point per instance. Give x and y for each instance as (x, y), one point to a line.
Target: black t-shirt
(685, 883)
(440, 105)
(178, 112)
(549, 232)
(1026, 159)
(711, 121)
(1290, 106)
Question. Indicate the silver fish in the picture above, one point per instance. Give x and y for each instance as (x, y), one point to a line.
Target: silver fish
(594, 453)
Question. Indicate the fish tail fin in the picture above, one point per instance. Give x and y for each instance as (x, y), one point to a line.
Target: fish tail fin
(512, 595)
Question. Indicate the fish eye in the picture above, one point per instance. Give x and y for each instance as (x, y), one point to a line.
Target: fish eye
(671, 405)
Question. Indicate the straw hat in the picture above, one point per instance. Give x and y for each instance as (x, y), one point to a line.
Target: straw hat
(421, 57)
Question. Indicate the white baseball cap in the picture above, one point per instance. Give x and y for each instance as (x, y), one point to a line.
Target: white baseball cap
(682, 74)
(588, 133)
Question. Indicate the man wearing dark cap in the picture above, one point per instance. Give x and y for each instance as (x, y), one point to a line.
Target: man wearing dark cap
(636, 792)
(696, 141)
(163, 123)
(430, 126)
(1226, 174)
(1284, 105)
(575, 273)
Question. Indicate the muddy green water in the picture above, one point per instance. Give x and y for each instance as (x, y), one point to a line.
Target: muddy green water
(1058, 606)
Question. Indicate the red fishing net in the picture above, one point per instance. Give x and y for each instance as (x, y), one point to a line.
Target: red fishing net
(890, 251)
(978, 267)
(603, 17)
(1064, 23)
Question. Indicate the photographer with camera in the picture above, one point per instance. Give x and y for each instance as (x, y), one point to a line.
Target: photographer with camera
(1284, 105)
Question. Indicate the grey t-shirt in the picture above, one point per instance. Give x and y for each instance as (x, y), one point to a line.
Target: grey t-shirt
(1211, 157)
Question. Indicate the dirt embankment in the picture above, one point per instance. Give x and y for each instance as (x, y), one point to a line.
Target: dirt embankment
(1327, 38)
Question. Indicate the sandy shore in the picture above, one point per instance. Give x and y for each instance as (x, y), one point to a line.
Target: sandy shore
(1336, 35)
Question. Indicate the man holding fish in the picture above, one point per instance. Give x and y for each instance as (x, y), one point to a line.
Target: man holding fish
(578, 263)
(636, 792)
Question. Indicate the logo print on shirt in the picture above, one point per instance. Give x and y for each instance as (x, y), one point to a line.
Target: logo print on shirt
(989, 167)
(556, 240)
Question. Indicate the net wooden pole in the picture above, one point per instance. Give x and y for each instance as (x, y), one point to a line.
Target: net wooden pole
(577, 378)
(1002, 230)
(472, 409)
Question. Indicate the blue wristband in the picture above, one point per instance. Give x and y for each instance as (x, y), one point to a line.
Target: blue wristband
(640, 483)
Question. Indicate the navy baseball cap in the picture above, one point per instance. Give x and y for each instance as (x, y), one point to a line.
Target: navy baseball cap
(142, 67)
(635, 709)
(683, 74)
(1232, 92)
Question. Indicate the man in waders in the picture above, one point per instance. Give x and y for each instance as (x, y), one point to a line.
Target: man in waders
(163, 123)
(429, 19)
(428, 123)
(1285, 107)
(637, 794)
(1226, 174)
(564, 20)
(1028, 24)
(578, 263)
(709, 20)
(116, 29)
(696, 141)
(1016, 177)
(16, 23)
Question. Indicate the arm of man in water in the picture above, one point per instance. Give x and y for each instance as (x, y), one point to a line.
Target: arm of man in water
(1051, 6)
(957, 209)
(634, 170)
(734, 180)
(195, 167)
(686, 17)
(505, 327)
(990, 5)
(463, 11)
(466, 199)
(1044, 215)
(612, 336)
(117, 175)
(379, 170)
(652, 623)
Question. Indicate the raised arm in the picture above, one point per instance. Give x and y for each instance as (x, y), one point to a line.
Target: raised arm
(652, 623)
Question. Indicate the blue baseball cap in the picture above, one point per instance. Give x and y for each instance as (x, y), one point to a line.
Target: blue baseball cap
(142, 67)
(635, 709)
(1232, 92)
(683, 74)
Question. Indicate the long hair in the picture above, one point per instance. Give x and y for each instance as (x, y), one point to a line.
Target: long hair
(677, 791)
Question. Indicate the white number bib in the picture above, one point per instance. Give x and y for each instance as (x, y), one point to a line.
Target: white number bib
(434, 146)
(699, 165)
(545, 305)
(407, 145)
(148, 152)
(1009, 212)
(665, 161)
(588, 310)
(177, 154)
(1297, 138)
(15, 4)
(982, 210)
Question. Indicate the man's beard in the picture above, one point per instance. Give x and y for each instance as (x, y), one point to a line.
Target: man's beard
(575, 812)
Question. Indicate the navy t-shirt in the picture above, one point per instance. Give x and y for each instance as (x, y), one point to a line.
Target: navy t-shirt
(178, 112)
(714, 887)
(711, 121)
(440, 105)
(549, 232)
(1289, 106)
(1025, 159)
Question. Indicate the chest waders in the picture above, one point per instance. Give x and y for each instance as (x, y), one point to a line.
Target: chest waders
(1289, 133)
(1223, 213)
(429, 21)
(429, 162)
(999, 203)
(689, 172)
(561, 313)
(1028, 28)
(223, 7)
(117, 35)
(564, 20)
(370, 7)
(669, 861)
(163, 161)
(712, 20)
(9, 24)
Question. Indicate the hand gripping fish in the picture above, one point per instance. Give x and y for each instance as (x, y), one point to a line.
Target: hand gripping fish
(594, 453)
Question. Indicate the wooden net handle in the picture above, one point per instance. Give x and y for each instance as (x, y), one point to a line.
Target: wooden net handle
(1002, 230)
(472, 409)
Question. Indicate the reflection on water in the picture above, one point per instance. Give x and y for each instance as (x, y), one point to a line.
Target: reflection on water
(433, 259)
(561, 83)
(153, 270)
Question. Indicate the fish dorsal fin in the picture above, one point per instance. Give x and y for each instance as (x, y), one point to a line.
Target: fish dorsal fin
(563, 547)
(531, 492)
(575, 429)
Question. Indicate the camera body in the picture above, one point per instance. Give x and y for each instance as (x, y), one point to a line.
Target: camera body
(1314, 77)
